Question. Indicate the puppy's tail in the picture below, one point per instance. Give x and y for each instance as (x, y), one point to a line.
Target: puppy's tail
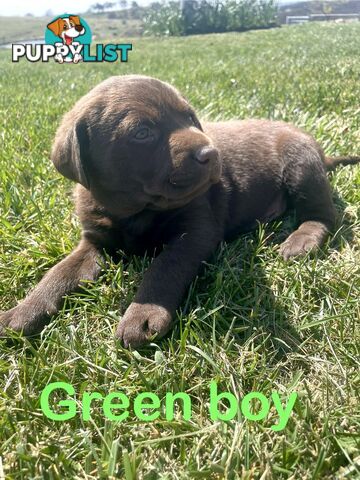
(332, 162)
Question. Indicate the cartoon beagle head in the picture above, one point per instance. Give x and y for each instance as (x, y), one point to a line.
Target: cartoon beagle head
(67, 28)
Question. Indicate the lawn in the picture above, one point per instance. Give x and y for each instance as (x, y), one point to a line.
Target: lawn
(250, 322)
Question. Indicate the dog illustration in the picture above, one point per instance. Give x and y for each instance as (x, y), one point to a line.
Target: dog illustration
(67, 29)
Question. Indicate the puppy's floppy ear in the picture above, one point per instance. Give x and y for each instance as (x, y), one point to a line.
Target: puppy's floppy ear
(56, 26)
(75, 19)
(70, 152)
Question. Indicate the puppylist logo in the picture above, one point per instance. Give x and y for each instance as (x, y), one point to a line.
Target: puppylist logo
(67, 40)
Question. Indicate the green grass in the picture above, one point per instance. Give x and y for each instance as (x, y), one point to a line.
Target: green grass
(251, 322)
(13, 29)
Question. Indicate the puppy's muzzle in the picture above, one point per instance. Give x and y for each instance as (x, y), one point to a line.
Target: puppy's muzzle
(198, 165)
(207, 155)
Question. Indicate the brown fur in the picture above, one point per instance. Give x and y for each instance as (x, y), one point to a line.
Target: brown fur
(185, 187)
(57, 26)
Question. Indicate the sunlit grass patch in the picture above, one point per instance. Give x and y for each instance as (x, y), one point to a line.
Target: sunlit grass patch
(250, 321)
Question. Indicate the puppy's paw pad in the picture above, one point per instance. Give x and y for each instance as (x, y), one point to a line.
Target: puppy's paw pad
(4, 322)
(21, 320)
(143, 323)
(298, 244)
(8, 320)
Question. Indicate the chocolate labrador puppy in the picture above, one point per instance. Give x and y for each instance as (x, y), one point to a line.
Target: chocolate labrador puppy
(151, 177)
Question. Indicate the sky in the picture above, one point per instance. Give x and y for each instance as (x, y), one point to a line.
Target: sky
(39, 7)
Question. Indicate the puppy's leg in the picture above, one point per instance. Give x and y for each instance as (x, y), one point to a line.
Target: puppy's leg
(34, 312)
(309, 191)
(164, 286)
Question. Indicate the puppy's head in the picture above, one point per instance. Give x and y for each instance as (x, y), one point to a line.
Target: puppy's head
(67, 28)
(136, 143)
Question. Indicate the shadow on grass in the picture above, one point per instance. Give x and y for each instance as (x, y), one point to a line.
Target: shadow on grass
(239, 278)
(344, 224)
(235, 287)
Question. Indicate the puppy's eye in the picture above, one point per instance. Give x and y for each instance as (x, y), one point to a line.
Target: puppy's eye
(143, 134)
(65, 27)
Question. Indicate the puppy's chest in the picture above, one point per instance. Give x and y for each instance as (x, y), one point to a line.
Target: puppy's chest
(139, 233)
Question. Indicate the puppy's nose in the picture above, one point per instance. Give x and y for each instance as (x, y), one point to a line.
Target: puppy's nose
(207, 154)
(78, 28)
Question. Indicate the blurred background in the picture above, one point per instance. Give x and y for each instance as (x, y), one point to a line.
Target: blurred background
(21, 20)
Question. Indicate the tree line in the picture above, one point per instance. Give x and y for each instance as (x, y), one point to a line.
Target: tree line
(190, 17)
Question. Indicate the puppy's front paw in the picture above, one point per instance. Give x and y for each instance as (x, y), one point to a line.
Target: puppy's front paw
(77, 58)
(59, 58)
(143, 322)
(22, 320)
(298, 243)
